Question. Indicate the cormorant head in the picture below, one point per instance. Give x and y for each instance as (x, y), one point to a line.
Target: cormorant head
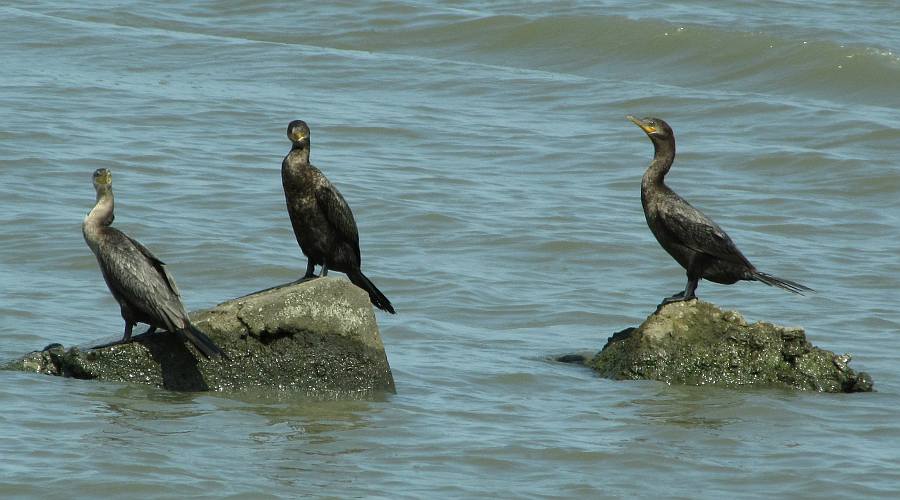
(656, 129)
(102, 178)
(298, 132)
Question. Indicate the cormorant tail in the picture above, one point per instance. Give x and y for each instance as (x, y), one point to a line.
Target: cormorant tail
(791, 286)
(203, 343)
(378, 299)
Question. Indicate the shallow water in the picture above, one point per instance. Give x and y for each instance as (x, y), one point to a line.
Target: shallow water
(495, 182)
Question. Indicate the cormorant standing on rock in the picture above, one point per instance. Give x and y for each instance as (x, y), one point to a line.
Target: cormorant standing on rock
(140, 283)
(322, 220)
(689, 236)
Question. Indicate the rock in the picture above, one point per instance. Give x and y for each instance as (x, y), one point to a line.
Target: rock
(317, 337)
(574, 358)
(695, 343)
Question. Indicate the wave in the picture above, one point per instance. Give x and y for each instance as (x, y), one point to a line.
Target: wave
(625, 49)
(612, 47)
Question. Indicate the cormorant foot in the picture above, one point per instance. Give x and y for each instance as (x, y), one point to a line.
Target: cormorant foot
(110, 344)
(310, 272)
(135, 338)
(678, 297)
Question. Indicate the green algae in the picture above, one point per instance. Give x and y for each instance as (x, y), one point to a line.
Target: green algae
(695, 343)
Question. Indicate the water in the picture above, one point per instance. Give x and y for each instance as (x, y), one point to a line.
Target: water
(495, 180)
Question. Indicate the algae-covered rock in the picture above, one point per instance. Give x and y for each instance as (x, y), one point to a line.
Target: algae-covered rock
(695, 343)
(317, 337)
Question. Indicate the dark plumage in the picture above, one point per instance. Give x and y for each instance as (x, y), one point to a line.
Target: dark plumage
(140, 283)
(322, 220)
(689, 236)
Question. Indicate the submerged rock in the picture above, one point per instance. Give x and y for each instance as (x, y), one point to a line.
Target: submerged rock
(318, 337)
(695, 343)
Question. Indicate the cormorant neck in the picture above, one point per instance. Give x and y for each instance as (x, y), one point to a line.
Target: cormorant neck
(301, 151)
(102, 213)
(663, 157)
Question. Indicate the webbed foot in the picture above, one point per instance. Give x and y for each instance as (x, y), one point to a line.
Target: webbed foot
(678, 297)
(110, 344)
(310, 272)
(127, 339)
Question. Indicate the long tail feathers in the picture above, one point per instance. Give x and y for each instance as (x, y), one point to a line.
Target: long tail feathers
(203, 343)
(378, 299)
(791, 286)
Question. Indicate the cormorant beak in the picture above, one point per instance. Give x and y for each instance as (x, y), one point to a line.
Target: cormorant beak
(297, 136)
(648, 129)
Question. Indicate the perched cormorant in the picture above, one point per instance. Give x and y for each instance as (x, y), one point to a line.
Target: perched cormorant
(322, 220)
(140, 283)
(690, 237)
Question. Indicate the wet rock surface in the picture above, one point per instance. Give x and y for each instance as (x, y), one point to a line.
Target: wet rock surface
(695, 343)
(317, 337)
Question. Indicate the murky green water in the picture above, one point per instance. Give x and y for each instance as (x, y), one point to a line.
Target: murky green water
(495, 181)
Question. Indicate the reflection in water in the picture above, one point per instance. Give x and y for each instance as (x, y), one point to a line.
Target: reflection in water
(285, 416)
(684, 406)
(301, 418)
(710, 407)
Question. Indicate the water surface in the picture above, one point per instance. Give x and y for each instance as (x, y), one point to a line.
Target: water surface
(495, 181)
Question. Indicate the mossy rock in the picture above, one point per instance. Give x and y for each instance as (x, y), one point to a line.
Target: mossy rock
(317, 337)
(695, 343)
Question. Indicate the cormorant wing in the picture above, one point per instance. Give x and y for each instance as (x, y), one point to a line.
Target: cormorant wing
(136, 276)
(338, 213)
(698, 232)
(158, 264)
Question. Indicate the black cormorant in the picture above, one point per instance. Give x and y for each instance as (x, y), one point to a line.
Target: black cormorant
(690, 237)
(140, 283)
(322, 220)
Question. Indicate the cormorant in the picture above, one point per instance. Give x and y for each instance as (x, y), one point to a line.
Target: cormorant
(689, 236)
(322, 220)
(139, 281)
